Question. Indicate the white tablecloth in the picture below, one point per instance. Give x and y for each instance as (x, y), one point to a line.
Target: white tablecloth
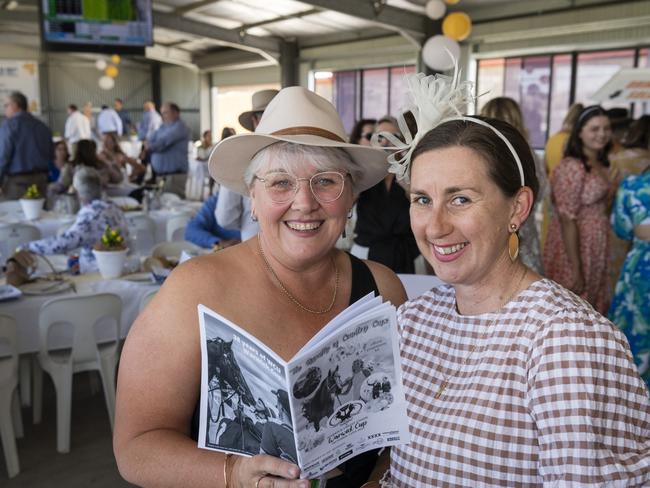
(49, 222)
(26, 309)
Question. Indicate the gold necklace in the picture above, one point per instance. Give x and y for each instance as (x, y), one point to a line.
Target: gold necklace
(290, 296)
(445, 381)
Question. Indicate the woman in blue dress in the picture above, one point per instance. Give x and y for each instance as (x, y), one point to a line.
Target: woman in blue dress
(630, 307)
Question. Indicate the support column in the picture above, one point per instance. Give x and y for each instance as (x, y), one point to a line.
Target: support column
(289, 54)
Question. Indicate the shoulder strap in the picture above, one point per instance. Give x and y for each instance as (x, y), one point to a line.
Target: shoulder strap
(362, 280)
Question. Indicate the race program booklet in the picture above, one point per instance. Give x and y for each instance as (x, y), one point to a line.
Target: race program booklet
(339, 396)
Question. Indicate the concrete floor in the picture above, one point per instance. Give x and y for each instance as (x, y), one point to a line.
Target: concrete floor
(90, 462)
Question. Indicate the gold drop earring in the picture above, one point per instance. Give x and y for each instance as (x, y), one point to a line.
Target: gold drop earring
(513, 243)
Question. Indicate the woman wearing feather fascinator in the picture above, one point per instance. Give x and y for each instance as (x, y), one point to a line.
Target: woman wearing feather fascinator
(510, 379)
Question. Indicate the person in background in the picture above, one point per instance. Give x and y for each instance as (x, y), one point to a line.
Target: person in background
(110, 174)
(632, 159)
(362, 132)
(113, 156)
(92, 219)
(227, 132)
(554, 148)
(25, 149)
(204, 229)
(506, 109)
(77, 127)
(234, 209)
(383, 233)
(168, 147)
(576, 252)
(630, 307)
(127, 125)
(61, 157)
(150, 123)
(619, 118)
(282, 286)
(203, 151)
(65, 172)
(109, 121)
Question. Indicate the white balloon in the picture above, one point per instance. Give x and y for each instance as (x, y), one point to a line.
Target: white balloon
(435, 55)
(100, 64)
(435, 9)
(106, 83)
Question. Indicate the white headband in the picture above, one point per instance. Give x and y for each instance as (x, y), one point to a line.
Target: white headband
(435, 99)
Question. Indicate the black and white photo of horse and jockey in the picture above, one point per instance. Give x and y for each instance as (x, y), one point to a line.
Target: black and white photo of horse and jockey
(247, 401)
(354, 378)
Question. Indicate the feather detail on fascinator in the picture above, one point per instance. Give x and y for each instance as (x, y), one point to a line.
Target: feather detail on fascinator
(434, 99)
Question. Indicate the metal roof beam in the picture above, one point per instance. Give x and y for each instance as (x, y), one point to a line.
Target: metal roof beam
(266, 47)
(379, 12)
(261, 23)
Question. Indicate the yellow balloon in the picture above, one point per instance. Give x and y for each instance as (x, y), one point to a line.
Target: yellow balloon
(111, 71)
(115, 59)
(451, 2)
(457, 26)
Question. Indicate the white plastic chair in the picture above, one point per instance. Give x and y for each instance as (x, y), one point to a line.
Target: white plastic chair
(10, 417)
(142, 233)
(146, 298)
(13, 235)
(174, 249)
(82, 313)
(176, 227)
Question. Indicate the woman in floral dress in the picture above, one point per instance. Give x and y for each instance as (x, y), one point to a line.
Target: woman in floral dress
(630, 308)
(576, 252)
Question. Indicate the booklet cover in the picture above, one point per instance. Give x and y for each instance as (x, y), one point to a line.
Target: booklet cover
(339, 396)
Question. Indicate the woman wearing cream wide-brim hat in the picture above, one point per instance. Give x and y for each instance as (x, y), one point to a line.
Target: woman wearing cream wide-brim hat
(282, 286)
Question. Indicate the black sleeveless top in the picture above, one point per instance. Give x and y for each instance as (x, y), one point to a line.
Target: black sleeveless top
(357, 469)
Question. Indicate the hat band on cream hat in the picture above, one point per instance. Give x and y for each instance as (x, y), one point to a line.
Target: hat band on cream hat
(299, 116)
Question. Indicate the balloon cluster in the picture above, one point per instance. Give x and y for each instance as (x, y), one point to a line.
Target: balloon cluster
(107, 81)
(456, 27)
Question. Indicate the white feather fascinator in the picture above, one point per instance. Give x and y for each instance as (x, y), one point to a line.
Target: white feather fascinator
(434, 99)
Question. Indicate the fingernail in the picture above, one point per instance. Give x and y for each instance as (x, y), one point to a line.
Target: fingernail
(294, 472)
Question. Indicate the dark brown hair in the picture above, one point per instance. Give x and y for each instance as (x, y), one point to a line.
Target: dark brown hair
(574, 147)
(501, 165)
(639, 133)
(355, 135)
(86, 154)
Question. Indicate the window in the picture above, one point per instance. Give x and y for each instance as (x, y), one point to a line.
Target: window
(490, 80)
(399, 94)
(560, 92)
(595, 68)
(369, 93)
(534, 89)
(545, 86)
(374, 99)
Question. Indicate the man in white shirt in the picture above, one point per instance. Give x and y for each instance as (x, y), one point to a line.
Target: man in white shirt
(77, 127)
(109, 121)
(151, 121)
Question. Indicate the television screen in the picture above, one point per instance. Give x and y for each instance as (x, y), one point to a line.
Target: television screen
(97, 25)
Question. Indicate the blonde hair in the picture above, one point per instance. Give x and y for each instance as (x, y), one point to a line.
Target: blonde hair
(571, 116)
(507, 110)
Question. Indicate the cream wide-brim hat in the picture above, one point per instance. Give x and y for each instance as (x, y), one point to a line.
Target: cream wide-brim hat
(299, 116)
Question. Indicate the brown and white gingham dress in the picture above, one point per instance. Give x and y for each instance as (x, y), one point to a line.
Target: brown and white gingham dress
(549, 397)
